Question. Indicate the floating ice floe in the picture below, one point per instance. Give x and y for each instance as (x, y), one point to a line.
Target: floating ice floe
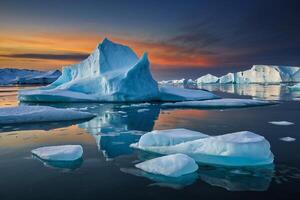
(112, 73)
(29, 114)
(281, 123)
(59, 153)
(288, 139)
(174, 165)
(218, 103)
(181, 94)
(234, 149)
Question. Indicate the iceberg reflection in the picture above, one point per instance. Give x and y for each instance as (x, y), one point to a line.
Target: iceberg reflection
(238, 179)
(63, 165)
(116, 127)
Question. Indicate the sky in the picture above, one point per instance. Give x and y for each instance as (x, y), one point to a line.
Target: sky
(180, 36)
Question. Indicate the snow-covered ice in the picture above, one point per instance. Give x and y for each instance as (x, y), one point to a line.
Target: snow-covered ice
(25, 76)
(169, 137)
(112, 73)
(174, 165)
(29, 114)
(218, 103)
(59, 153)
(281, 123)
(234, 149)
(288, 139)
(181, 94)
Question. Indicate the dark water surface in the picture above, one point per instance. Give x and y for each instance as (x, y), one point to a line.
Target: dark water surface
(107, 168)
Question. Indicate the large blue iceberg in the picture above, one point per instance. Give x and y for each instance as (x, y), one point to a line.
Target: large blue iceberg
(112, 73)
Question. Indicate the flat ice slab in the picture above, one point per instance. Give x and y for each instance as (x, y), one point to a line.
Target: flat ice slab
(288, 139)
(59, 153)
(174, 165)
(218, 103)
(281, 123)
(182, 94)
(30, 114)
(169, 137)
(234, 149)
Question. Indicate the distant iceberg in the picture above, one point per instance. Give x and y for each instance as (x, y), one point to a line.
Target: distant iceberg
(234, 149)
(24, 76)
(112, 73)
(260, 74)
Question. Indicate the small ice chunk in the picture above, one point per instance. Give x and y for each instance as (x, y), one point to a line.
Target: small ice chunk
(288, 139)
(29, 114)
(281, 123)
(143, 110)
(169, 137)
(59, 153)
(218, 103)
(174, 165)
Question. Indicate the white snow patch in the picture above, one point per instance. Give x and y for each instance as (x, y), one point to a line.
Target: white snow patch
(174, 165)
(59, 153)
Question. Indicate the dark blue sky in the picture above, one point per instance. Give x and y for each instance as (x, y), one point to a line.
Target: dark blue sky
(178, 34)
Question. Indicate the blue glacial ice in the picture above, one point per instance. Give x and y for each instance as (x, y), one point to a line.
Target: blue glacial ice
(234, 149)
(30, 114)
(112, 73)
(174, 165)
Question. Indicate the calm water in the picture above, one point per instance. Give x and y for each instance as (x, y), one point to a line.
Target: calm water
(107, 168)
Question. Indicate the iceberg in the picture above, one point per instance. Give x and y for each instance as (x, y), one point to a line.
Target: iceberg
(218, 103)
(169, 137)
(181, 94)
(260, 74)
(30, 114)
(282, 123)
(174, 165)
(207, 79)
(112, 73)
(59, 153)
(228, 78)
(234, 149)
(24, 76)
